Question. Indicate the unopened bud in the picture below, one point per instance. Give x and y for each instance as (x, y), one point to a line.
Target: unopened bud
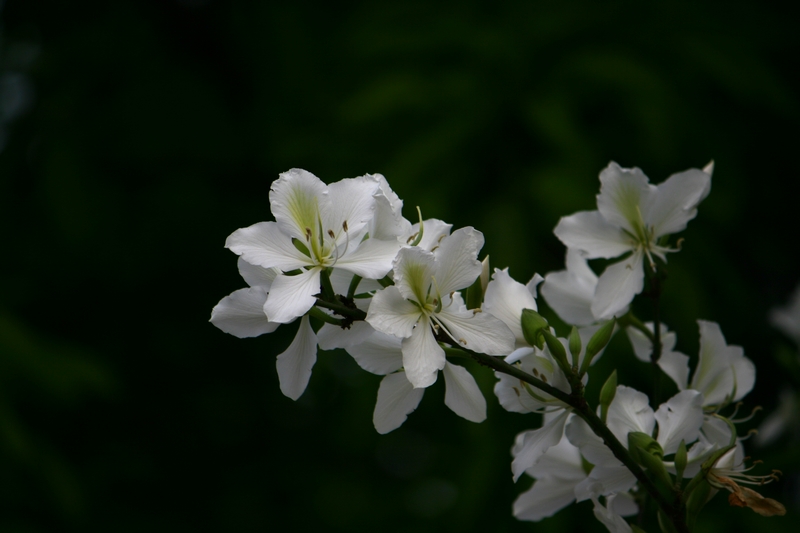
(607, 394)
(532, 326)
(557, 351)
(575, 345)
(598, 341)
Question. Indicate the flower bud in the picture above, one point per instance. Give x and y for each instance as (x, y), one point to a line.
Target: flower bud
(648, 452)
(598, 341)
(557, 351)
(532, 326)
(607, 394)
(575, 345)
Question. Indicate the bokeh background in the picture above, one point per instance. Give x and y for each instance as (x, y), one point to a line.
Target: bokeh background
(136, 135)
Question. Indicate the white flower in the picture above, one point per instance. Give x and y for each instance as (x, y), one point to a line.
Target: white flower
(424, 299)
(317, 226)
(381, 354)
(723, 373)
(631, 216)
(679, 418)
(242, 314)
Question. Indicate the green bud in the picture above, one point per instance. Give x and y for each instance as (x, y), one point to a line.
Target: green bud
(557, 351)
(575, 345)
(681, 459)
(636, 529)
(607, 394)
(645, 443)
(598, 341)
(648, 452)
(532, 326)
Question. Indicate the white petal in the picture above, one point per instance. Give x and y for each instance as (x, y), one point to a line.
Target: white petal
(265, 245)
(433, 231)
(257, 276)
(462, 394)
(744, 372)
(352, 203)
(534, 443)
(591, 446)
(331, 337)
(457, 265)
(414, 269)
(397, 398)
(296, 199)
(624, 193)
(505, 299)
(618, 285)
(679, 418)
(388, 222)
(295, 364)
(630, 411)
(242, 314)
(292, 296)
(714, 375)
(392, 314)
(372, 259)
(422, 355)
(561, 461)
(380, 354)
(545, 498)
(675, 204)
(606, 480)
(590, 232)
(676, 366)
(606, 515)
(479, 332)
(570, 292)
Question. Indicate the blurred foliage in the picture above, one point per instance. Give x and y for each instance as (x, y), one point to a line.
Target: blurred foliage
(144, 132)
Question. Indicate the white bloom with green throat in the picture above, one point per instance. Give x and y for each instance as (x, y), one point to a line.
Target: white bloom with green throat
(316, 226)
(424, 300)
(631, 217)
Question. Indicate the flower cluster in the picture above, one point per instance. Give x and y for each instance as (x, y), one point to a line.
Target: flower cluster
(406, 301)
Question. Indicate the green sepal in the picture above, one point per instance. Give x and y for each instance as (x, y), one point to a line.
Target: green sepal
(301, 247)
(681, 460)
(474, 294)
(598, 341)
(557, 351)
(575, 345)
(532, 326)
(695, 503)
(607, 394)
(636, 529)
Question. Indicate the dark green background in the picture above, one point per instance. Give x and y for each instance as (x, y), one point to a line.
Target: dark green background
(154, 131)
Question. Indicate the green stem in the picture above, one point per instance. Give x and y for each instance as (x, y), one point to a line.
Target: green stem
(328, 293)
(630, 319)
(341, 309)
(351, 290)
(325, 317)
